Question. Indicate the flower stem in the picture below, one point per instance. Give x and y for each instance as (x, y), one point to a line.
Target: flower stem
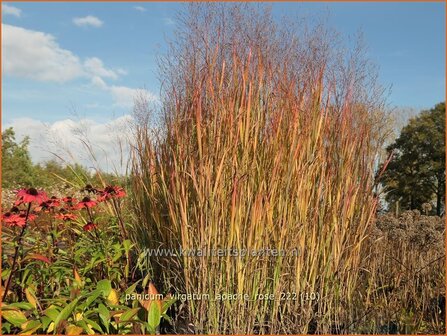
(16, 254)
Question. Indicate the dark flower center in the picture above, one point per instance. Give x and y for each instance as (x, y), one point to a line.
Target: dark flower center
(86, 199)
(32, 191)
(109, 190)
(14, 209)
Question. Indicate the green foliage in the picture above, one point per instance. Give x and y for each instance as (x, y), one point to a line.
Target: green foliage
(73, 278)
(86, 311)
(17, 167)
(416, 174)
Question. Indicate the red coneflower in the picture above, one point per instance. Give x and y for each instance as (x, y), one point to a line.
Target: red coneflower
(16, 219)
(68, 199)
(53, 202)
(89, 226)
(70, 202)
(85, 203)
(31, 195)
(41, 207)
(12, 219)
(111, 192)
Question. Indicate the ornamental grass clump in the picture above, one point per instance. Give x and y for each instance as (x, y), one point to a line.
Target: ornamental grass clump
(268, 140)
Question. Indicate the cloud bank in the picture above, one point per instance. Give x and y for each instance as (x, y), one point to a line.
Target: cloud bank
(37, 56)
(88, 21)
(67, 139)
(11, 10)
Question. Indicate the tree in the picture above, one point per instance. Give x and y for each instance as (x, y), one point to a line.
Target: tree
(17, 167)
(416, 173)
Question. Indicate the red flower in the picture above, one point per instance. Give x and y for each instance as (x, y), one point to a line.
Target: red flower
(85, 203)
(111, 192)
(16, 219)
(12, 219)
(53, 202)
(30, 195)
(89, 226)
(69, 200)
(42, 207)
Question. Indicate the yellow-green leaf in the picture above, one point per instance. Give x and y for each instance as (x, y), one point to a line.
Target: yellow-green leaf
(73, 330)
(112, 298)
(31, 297)
(30, 327)
(15, 317)
(154, 315)
(50, 327)
(126, 316)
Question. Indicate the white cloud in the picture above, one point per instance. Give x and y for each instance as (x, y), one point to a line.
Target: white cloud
(88, 20)
(96, 67)
(125, 96)
(11, 10)
(98, 82)
(37, 55)
(140, 8)
(109, 140)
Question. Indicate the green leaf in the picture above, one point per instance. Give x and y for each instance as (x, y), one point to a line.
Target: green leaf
(127, 244)
(117, 256)
(45, 322)
(90, 298)
(93, 324)
(86, 328)
(154, 315)
(21, 305)
(146, 280)
(105, 286)
(30, 327)
(63, 315)
(167, 302)
(131, 289)
(126, 316)
(52, 313)
(15, 317)
(6, 327)
(104, 314)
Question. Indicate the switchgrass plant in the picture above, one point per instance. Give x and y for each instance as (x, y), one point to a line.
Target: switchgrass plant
(269, 138)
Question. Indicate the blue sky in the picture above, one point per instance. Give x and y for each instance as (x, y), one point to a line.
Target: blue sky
(89, 58)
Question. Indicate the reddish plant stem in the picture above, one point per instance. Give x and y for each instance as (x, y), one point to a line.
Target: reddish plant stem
(16, 254)
(120, 220)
